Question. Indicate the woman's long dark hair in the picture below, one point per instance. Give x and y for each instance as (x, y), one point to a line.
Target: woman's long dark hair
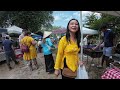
(27, 33)
(77, 34)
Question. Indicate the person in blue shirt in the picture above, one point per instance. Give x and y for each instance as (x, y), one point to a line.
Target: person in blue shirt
(9, 52)
(108, 39)
(46, 48)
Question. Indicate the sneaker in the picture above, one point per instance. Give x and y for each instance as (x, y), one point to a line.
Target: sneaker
(10, 68)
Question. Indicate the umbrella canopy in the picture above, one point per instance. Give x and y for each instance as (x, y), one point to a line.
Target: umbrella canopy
(14, 29)
(36, 36)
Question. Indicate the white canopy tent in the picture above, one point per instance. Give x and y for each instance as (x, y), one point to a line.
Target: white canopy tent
(14, 29)
(89, 31)
(114, 13)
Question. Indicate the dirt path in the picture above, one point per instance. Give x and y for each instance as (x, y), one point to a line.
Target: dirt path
(21, 71)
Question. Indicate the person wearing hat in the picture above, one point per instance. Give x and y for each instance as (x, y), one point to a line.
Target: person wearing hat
(9, 51)
(46, 45)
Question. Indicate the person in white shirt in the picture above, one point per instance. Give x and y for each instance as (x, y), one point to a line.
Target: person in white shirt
(39, 45)
(22, 35)
(39, 42)
(85, 40)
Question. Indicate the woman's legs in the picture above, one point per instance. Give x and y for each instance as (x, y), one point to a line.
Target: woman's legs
(49, 63)
(8, 62)
(46, 63)
(35, 63)
(29, 64)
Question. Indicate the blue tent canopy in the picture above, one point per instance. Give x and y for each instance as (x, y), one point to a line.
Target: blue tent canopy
(37, 37)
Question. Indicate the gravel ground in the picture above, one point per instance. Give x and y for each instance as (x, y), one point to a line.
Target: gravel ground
(21, 71)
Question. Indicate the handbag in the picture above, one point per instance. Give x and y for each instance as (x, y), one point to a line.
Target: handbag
(69, 73)
(25, 48)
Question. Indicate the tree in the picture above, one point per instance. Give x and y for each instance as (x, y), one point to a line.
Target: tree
(90, 19)
(32, 20)
(56, 27)
(112, 21)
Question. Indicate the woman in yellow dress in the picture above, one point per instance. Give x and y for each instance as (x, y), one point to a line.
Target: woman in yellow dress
(32, 54)
(68, 49)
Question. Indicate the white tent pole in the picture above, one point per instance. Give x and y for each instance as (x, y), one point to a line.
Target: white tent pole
(81, 25)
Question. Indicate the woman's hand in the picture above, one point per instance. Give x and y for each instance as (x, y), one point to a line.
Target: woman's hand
(57, 72)
(81, 63)
(34, 42)
(93, 48)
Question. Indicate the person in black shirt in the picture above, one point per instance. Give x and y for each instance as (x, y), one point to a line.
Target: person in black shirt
(9, 52)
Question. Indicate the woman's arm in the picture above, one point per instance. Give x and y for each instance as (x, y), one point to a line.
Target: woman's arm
(97, 45)
(33, 42)
(49, 42)
(60, 54)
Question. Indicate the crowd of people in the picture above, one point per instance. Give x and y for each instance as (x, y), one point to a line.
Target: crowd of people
(67, 58)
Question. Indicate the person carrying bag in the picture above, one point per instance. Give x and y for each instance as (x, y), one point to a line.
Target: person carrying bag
(67, 58)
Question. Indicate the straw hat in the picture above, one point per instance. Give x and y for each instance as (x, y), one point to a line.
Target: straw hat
(46, 34)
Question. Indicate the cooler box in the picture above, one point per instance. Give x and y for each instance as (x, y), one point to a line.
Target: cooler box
(18, 53)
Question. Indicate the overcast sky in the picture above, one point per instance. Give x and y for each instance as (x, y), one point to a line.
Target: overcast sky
(61, 18)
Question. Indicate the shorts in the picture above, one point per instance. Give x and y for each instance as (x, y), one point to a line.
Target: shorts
(107, 51)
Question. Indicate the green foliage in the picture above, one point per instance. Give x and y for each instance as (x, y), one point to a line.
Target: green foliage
(33, 20)
(14, 35)
(55, 27)
(112, 21)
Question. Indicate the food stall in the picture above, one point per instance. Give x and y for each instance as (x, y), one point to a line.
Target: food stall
(2, 56)
(18, 54)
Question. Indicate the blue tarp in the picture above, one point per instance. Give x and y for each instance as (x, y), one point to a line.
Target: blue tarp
(37, 37)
